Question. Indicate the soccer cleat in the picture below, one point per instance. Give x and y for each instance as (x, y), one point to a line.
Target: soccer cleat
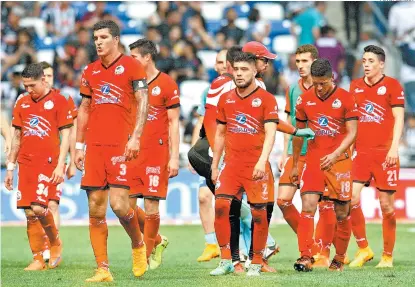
(225, 267)
(156, 256)
(55, 255)
(46, 255)
(304, 264)
(36, 265)
(239, 269)
(346, 259)
(139, 261)
(211, 251)
(270, 251)
(362, 256)
(321, 261)
(266, 268)
(254, 270)
(242, 257)
(247, 263)
(101, 275)
(336, 265)
(385, 262)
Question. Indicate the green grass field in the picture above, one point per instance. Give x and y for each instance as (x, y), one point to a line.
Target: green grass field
(181, 269)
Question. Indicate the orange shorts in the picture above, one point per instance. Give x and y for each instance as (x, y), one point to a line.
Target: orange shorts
(34, 187)
(105, 167)
(286, 170)
(150, 174)
(338, 179)
(372, 165)
(234, 179)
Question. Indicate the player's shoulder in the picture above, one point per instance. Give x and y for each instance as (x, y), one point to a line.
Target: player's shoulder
(357, 82)
(166, 79)
(263, 93)
(221, 81)
(22, 96)
(391, 81)
(91, 67)
(307, 94)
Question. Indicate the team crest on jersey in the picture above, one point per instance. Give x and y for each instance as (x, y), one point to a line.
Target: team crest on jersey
(299, 101)
(119, 70)
(336, 104)
(256, 102)
(156, 91)
(382, 91)
(48, 105)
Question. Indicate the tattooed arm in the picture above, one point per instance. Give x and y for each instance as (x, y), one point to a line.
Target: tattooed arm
(13, 158)
(82, 123)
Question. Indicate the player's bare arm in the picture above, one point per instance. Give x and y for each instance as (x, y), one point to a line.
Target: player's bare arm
(259, 170)
(297, 145)
(398, 115)
(351, 134)
(14, 151)
(218, 150)
(72, 142)
(82, 123)
(173, 116)
(6, 133)
(133, 145)
(59, 172)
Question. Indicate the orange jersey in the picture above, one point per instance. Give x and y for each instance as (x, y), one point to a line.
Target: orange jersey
(163, 94)
(113, 105)
(40, 122)
(245, 119)
(327, 118)
(375, 105)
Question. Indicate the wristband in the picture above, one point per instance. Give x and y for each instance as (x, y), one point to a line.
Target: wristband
(11, 166)
(80, 146)
(295, 131)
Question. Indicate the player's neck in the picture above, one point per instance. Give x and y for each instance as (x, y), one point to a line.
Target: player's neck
(110, 58)
(333, 87)
(373, 80)
(151, 72)
(307, 81)
(244, 92)
(45, 93)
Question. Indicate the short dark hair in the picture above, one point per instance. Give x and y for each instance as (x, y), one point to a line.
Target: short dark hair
(34, 71)
(378, 51)
(146, 47)
(325, 30)
(308, 48)
(321, 68)
(45, 65)
(232, 52)
(110, 25)
(245, 57)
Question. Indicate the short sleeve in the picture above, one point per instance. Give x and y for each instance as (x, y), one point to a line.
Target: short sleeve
(350, 108)
(300, 114)
(221, 116)
(64, 115)
(172, 95)
(396, 95)
(270, 109)
(72, 107)
(85, 89)
(287, 101)
(17, 119)
(137, 75)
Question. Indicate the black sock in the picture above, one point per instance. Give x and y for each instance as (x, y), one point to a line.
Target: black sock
(270, 210)
(234, 218)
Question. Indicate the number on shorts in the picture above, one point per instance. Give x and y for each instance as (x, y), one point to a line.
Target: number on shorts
(123, 170)
(345, 186)
(392, 175)
(41, 189)
(154, 180)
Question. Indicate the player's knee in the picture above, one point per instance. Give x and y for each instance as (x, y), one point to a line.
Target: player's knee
(119, 207)
(235, 209)
(205, 198)
(386, 206)
(222, 207)
(151, 206)
(38, 210)
(282, 203)
(309, 207)
(259, 213)
(53, 206)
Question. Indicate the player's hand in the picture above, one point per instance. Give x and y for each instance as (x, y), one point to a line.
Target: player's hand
(58, 174)
(305, 133)
(79, 159)
(392, 157)
(192, 170)
(173, 167)
(327, 161)
(281, 162)
(294, 175)
(131, 149)
(259, 170)
(8, 181)
(215, 174)
(71, 170)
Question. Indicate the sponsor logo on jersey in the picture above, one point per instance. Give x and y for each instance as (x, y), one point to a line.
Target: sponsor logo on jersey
(34, 122)
(323, 121)
(357, 90)
(43, 177)
(256, 103)
(382, 91)
(120, 179)
(48, 105)
(345, 175)
(117, 159)
(105, 89)
(241, 119)
(24, 106)
(310, 103)
(336, 104)
(153, 170)
(156, 91)
(228, 101)
(369, 108)
(152, 190)
(119, 70)
(18, 195)
(96, 72)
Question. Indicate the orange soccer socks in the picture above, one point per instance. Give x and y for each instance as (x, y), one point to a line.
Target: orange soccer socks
(305, 233)
(223, 226)
(131, 226)
(48, 224)
(325, 228)
(358, 225)
(151, 228)
(290, 213)
(260, 232)
(389, 232)
(35, 234)
(343, 234)
(98, 234)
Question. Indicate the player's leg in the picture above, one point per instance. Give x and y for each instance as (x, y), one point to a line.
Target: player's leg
(343, 234)
(260, 233)
(387, 202)
(53, 206)
(245, 236)
(235, 224)
(151, 225)
(35, 235)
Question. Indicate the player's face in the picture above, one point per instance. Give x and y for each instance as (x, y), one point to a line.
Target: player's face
(48, 76)
(135, 53)
(372, 66)
(220, 65)
(243, 73)
(262, 64)
(105, 43)
(323, 85)
(303, 62)
(35, 88)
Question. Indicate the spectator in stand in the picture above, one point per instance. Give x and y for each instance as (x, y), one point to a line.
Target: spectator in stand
(332, 49)
(175, 40)
(352, 14)
(197, 34)
(82, 39)
(165, 62)
(173, 18)
(258, 29)
(10, 29)
(90, 18)
(309, 20)
(60, 19)
(407, 148)
(16, 88)
(161, 13)
(229, 35)
(188, 66)
(153, 35)
(366, 39)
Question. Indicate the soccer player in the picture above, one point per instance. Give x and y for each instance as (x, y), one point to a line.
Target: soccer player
(38, 119)
(330, 111)
(111, 120)
(159, 155)
(247, 118)
(380, 101)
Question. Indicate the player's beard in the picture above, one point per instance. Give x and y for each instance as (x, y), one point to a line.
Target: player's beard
(245, 85)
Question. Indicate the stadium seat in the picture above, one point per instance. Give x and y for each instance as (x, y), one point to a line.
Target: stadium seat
(212, 26)
(242, 23)
(190, 93)
(132, 26)
(44, 43)
(38, 24)
(46, 55)
(127, 39)
(140, 10)
(270, 11)
(208, 58)
(212, 10)
(241, 10)
(280, 28)
(285, 44)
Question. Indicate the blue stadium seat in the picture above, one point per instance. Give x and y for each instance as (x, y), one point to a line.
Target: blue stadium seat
(132, 27)
(241, 10)
(280, 28)
(212, 74)
(44, 43)
(213, 26)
